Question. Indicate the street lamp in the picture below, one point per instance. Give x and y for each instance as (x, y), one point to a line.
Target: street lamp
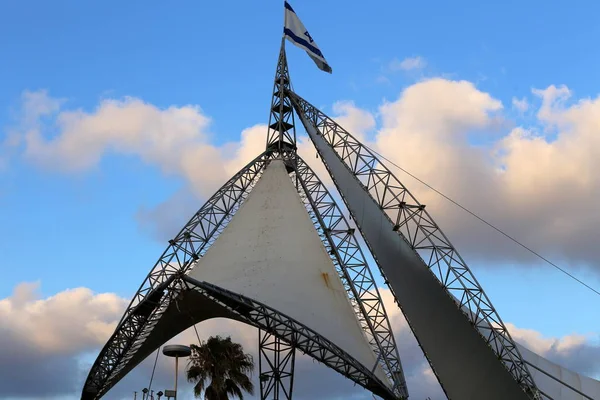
(175, 350)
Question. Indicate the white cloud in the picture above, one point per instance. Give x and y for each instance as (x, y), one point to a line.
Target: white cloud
(39, 104)
(520, 180)
(520, 105)
(47, 324)
(356, 120)
(42, 339)
(177, 139)
(408, 64)
(575, 351)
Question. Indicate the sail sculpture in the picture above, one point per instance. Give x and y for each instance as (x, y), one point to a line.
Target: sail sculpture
(271, 248)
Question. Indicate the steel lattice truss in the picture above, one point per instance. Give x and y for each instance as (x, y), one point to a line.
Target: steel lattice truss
(414, 224)
(294, 333)
(348, 258)
(155, 293)
(276, 362)
(281, 134)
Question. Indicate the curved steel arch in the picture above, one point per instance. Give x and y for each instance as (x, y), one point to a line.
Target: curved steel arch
(294, 333)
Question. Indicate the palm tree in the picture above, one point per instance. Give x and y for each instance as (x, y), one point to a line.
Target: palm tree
(220, 369)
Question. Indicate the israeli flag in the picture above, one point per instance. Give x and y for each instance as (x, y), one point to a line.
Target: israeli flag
(295, 32)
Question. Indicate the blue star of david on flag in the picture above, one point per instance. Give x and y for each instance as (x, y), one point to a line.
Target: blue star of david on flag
(308, 36)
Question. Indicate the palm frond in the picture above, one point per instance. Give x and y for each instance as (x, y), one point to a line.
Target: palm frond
(231, 388)
(220, 368)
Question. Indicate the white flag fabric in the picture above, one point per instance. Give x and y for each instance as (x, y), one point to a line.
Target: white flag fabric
(295, 32)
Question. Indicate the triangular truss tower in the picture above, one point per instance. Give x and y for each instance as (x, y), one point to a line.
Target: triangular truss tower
(271, 248)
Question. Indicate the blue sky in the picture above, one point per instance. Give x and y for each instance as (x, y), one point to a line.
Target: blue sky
(83, 229)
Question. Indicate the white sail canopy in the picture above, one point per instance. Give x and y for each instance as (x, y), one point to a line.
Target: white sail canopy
(557, 390)
(271, 252)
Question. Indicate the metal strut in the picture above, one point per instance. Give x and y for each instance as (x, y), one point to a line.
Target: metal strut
(281, 135)
(276, 362)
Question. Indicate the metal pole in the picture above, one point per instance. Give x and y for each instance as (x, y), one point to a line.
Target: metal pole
(281, 97)
(176, 370)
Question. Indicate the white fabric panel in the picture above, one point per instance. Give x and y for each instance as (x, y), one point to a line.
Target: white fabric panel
(271, 252)
(557, 391)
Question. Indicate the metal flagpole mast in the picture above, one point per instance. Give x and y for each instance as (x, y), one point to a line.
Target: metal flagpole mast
(281, 92)
(277, 358)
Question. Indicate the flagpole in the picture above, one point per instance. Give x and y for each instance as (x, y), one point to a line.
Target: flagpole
(281, 93)
(281, 83)
(282, 48)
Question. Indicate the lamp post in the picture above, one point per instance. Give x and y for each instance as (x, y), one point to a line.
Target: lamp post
(175, 350)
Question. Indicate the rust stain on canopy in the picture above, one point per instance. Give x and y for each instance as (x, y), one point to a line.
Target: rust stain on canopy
(326, 279)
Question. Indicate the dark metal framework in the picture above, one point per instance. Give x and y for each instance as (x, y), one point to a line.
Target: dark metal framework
(414, 224)
(281, 135)
(352, 267)
(292, 332)
(276, 361)
(156, 292)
